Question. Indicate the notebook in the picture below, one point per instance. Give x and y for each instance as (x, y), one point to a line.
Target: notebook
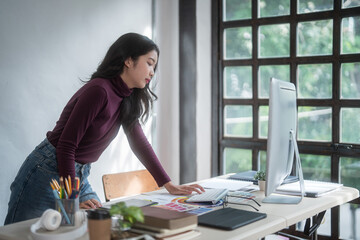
(249, 176)
(225, 183)
(131, 202)
(229, 218)
(312, 188)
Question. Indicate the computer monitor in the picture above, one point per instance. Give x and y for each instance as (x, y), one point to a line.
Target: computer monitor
(281, 142)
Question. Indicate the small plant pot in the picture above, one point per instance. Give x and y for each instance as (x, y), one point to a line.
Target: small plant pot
(261, 185)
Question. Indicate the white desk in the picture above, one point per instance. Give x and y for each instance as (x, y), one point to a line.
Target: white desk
(279, 216)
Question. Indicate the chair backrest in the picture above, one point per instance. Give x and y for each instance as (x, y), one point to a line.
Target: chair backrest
(128, 183)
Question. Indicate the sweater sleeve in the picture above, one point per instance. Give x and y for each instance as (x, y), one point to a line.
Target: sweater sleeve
(145, 153)
(81, 113)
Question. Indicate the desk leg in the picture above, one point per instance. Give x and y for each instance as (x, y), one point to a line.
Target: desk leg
(311, 231)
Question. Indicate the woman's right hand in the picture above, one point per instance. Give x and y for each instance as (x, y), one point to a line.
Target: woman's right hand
(183, 189)
(91, 203)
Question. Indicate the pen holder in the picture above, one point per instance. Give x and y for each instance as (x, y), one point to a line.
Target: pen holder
(67, 209)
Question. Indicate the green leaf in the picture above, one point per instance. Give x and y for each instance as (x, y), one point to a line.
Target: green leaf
(130, 214)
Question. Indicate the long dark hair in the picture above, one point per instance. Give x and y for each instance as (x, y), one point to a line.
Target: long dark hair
(139, 103)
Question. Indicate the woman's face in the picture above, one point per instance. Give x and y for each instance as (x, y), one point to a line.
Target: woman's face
(138, 74)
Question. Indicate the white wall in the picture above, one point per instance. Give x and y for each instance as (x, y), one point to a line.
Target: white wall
(167, 36)
(167, 108)
(46, 46)
(203, 107)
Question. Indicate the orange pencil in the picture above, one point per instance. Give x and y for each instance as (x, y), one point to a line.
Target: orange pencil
(56, 184)
(70, 183)
(77, 185)
(68, 190)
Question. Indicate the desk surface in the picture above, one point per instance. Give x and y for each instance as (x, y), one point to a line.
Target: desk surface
(279, 216)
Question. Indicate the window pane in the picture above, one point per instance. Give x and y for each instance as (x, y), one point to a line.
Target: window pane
(271, 8)
(350, 172)
(262, 158)
(315, 81)
(316, 167)
(350, 125)
(350, 80)
(237, 160)
(315, 38)
(238, 121)
(263, 121)
(236, 10)
(350, 36)
(350, 177)
(350, 3)
(325, 226)
(349, 221)
(314, 123)
(306, 6)
(281, 72)
(274, 40)
(238, 43)
(238, 82)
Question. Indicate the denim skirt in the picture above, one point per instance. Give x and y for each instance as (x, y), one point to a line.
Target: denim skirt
(31, 193)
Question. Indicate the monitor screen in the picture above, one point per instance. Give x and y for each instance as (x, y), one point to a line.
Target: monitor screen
(282, 122)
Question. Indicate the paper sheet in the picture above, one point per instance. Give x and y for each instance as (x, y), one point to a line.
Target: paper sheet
(232, 185)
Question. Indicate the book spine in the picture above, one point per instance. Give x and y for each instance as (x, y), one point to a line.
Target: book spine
(242, 179)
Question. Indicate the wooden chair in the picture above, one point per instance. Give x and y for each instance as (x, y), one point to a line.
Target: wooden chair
(128, 183)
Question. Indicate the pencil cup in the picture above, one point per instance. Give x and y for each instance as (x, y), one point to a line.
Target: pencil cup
(67, 209)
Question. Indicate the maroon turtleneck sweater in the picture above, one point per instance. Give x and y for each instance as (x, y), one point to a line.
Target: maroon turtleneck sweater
(88, 124)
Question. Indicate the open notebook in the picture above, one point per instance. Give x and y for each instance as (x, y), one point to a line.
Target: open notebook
(312, 188)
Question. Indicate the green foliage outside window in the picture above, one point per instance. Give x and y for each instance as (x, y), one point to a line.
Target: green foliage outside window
(314, 123)
(274, 40)
(350, 37)
(238, 43)
(350, 125)
(237, 10)
(238, 82)
(315, 81)
(316, 167)
(350, 80)
(237, 160)
(350, 172)
(315, 38)
(271, 8)
(238, 121)
(306, 6)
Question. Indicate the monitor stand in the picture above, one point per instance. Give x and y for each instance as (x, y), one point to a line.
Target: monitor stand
(286, 199)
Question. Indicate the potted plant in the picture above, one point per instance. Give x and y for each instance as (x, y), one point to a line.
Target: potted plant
(260, 176)
(123, 218)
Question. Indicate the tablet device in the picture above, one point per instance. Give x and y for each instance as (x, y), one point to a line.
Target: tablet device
(229, 218)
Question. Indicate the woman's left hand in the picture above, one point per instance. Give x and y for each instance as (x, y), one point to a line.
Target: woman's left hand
(91, 203)
(183, 189)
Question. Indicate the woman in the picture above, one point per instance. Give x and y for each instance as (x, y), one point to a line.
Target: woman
(117, 95)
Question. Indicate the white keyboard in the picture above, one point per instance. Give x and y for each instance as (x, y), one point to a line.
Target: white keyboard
(210, 195)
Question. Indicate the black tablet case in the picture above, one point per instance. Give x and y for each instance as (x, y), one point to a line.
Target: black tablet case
(229, 218)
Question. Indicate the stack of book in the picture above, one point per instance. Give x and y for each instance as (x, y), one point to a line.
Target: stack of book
(167, 224)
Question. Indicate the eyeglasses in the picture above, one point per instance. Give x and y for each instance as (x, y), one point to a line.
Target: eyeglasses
(226, 201)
